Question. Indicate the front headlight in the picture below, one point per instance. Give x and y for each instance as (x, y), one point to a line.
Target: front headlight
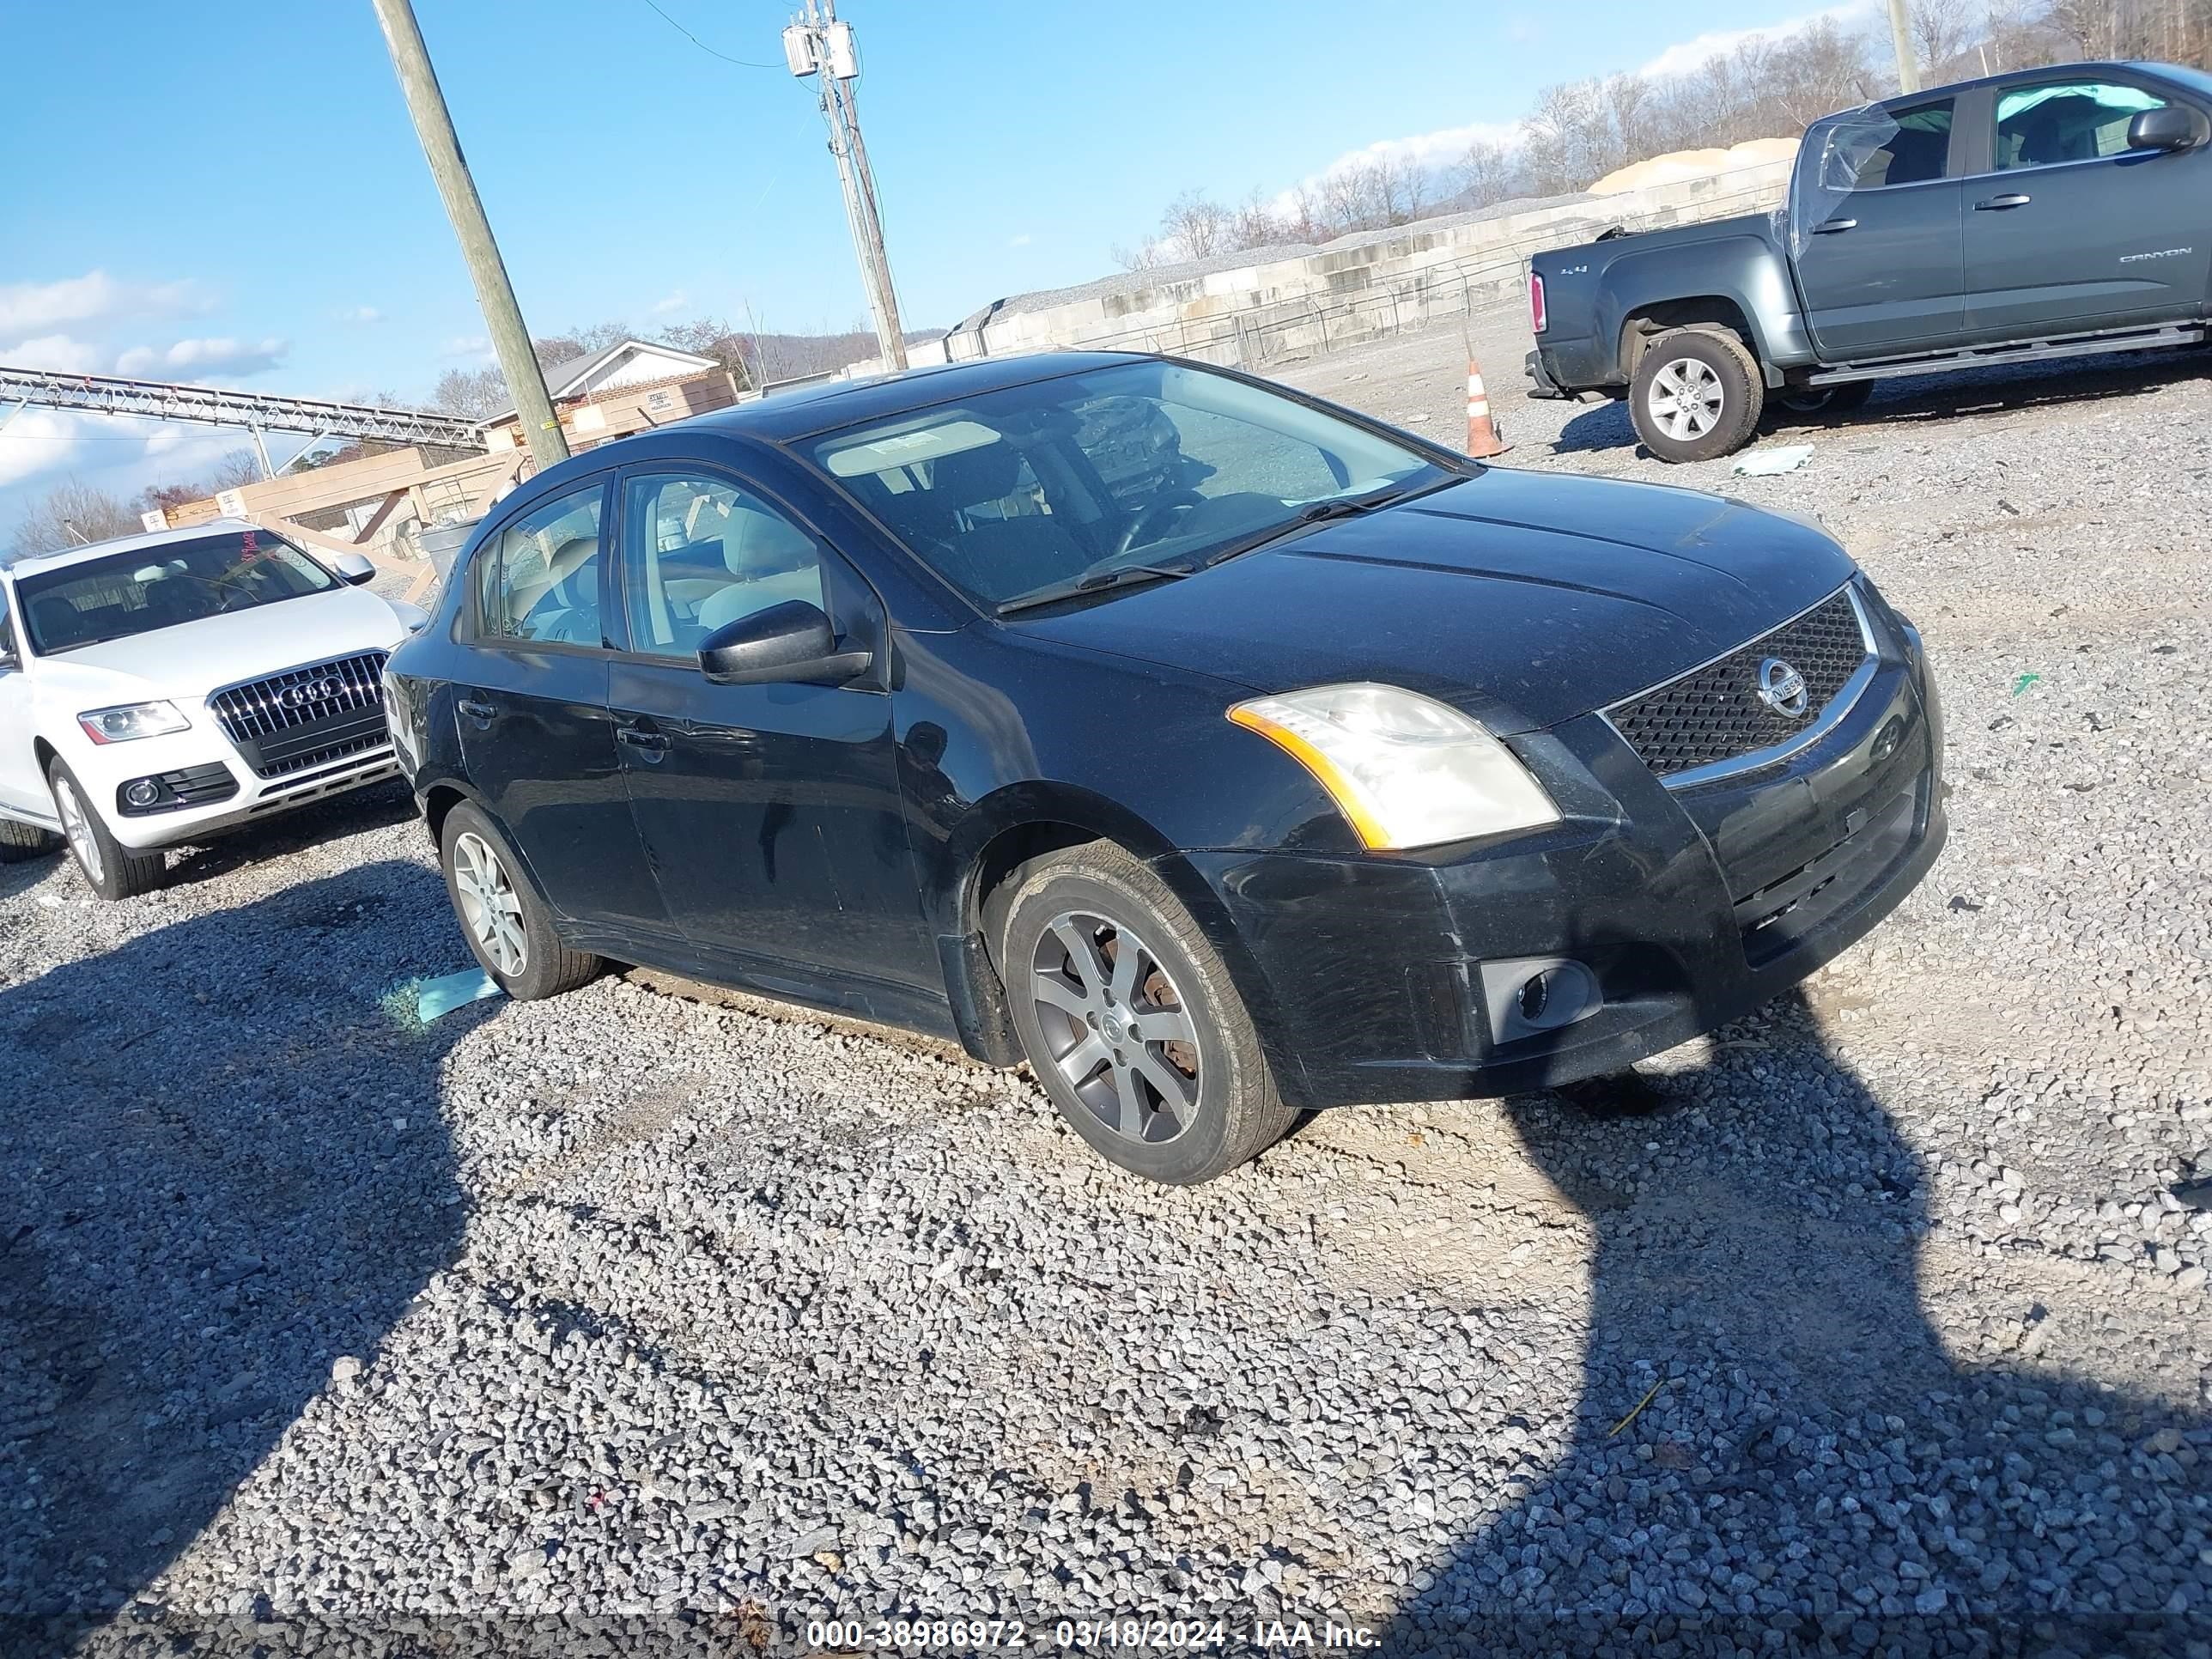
(1405, 770)
(131, 719)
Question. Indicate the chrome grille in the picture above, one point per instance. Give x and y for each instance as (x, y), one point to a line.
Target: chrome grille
(1713, 714)
(305, 716)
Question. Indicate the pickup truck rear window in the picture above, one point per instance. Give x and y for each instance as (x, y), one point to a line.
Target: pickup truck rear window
(1896, 147)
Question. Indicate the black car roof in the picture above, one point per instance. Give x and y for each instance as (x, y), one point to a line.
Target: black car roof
(801, 414)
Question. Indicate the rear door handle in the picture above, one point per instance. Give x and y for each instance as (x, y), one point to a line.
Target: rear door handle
(638, 738)
(475, 710)
(1999, 204)
(1830, 226)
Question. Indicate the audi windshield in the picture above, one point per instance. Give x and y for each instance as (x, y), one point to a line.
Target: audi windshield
(1068, 484)
(159, 587)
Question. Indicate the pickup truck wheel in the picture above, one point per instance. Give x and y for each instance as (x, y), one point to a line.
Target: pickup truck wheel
(1698, 395)
(110, 869)
(19, 841)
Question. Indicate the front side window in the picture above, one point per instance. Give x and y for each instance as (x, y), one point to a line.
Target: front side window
(1017, 491)
(538, 580)
(161, 586)
(1897, 147)
(2053, 121)
(700, 553)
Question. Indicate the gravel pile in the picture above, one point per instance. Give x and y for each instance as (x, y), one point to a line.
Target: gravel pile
(1873, 1320)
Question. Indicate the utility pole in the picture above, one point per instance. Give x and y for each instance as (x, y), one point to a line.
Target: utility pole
(816, 43)
(1900, 32)
(433, 125)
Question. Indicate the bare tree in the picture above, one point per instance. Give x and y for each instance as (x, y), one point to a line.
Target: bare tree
(1485, 173)
(1195, 227)
(712, 337)
(477, 393)
(71, 512)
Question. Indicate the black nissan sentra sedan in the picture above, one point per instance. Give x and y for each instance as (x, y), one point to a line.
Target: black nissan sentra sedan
(1221, 752)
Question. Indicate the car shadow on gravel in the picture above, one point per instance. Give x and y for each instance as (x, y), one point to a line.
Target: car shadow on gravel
(378, 806)
(223, 1167)
(1775, 1449)
(1966, 395)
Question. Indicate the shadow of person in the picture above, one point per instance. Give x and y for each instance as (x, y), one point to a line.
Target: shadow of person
(223, 1167)
(1812, 1468)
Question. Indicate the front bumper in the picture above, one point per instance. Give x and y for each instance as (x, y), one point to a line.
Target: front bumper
(203, 785)
(1688, 908)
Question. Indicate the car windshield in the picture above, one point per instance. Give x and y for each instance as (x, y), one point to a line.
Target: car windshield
(1020, 492)
(159, 587)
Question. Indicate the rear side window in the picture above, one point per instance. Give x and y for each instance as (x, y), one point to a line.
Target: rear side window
(2053, 121)
(538, 579)
(1907, 146)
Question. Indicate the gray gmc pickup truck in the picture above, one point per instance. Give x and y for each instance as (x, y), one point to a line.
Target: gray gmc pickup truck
(2048, 213)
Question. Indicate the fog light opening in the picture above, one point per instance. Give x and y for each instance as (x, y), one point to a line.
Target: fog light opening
(142, 792)
(1536, 996)
(1531, 994)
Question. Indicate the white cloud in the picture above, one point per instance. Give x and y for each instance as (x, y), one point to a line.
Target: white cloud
(55, 351)
(360, 315)
(93, 297)
(38, 441)
(465, 345)
(1439, 148)
(217, 354)
(675, 301)
(1022, 240)
(1688, 55)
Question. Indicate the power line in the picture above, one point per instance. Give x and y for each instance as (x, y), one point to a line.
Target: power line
(742, 62)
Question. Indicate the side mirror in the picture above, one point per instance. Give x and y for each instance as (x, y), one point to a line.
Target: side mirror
(2169, 127)
(787, 644)
(353, 569)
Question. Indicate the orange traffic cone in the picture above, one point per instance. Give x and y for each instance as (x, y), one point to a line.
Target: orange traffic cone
(1483, 438)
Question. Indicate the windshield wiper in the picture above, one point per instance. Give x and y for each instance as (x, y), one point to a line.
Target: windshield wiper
(1313, 513)
(1092, 581)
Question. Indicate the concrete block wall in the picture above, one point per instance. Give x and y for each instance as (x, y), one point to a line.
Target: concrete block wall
(1252, 315)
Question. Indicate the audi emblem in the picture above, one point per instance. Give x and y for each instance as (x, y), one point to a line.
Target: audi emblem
(322, 690)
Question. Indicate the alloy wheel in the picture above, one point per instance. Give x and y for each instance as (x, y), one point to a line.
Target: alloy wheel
(1121, 1034)
(77, 826)
(490, 907)
(1685, 399)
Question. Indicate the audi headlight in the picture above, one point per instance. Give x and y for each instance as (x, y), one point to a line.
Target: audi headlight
(131, 719)
(1405, 770)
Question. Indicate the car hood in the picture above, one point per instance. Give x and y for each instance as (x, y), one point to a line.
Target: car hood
(1523, 598)
(190, 659)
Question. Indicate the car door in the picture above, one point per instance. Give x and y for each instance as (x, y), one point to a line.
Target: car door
(22, 786)
(537, 738)
(1875, 224)
(2071, 230)
(772, 813)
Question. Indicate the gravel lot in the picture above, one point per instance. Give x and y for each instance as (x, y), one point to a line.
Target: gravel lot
(630, 1303)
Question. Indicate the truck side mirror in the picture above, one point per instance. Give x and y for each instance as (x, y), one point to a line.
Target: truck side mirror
(2169, 127)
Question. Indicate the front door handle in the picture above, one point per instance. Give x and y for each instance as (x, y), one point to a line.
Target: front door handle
(638, 738)
(475, 710)
(1830, 226)
(1999, 204)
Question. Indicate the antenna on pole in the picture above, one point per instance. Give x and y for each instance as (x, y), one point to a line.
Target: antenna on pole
(818, 43)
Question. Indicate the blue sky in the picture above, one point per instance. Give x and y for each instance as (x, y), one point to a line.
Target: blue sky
(238, 196)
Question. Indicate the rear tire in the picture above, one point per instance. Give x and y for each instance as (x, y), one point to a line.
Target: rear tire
(21, 841)
(1697, 396)
(509, 927)
(109, 868)
(1130, 1021)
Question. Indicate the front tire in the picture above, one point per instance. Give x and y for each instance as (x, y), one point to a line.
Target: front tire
(109, 868)
(508, 926)
(1697, 396)
(1130, 1020)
